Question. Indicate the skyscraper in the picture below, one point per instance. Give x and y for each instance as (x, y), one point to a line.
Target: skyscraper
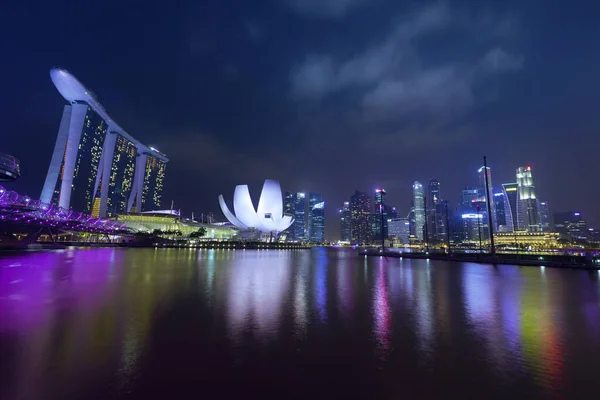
(419, 202)
(511, 201)
(527, 207)
(436, 211)
(379, 212)
(96, 166)
(289, 208)
(300, 231)
(346, 223)
(500, 207)
(360, 208)
(545, 224)
(316, 218)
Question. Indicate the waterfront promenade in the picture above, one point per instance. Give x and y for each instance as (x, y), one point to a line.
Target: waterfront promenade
(559, 261)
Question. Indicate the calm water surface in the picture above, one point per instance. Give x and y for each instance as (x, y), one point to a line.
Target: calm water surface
(171, 323)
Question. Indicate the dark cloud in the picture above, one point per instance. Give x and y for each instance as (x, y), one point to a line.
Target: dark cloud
(391, 81)
(325, 8)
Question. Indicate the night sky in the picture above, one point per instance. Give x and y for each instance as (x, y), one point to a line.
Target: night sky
(324, 95)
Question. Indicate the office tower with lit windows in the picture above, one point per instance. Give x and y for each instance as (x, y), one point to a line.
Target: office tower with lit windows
(120, 177)
(468, 196)
(571, 225)
(511, 201)
(316, 218)
(300, 223)
(380, 210)
(399, 228)
(289, 203)
(545, 224)
(436, 210)
(527, 207)
(289, 206)
(346, 223)
(419, 204)
(500, 207)
(96, 166)
(360, 222)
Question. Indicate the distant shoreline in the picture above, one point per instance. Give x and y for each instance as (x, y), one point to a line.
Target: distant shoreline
(553, 261)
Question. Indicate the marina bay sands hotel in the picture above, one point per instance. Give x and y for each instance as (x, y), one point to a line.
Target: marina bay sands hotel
(96, 166)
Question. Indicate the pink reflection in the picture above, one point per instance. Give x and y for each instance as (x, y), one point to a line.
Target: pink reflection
(381, 310)
(32, 283)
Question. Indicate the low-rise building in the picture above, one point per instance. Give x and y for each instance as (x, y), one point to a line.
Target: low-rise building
(166, 221)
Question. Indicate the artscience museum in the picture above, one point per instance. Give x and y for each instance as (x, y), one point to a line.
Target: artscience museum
(267, 218)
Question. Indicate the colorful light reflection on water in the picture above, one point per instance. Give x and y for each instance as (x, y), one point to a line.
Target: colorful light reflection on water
(100, 323)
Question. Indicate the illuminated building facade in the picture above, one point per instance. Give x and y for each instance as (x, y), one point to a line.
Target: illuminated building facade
(545, 224)
(419, 204)
(300, 229)
(96, 166)
(473, 230)
(399, 228)
(346, 223)
(376, 219)
(527, 207)
(500, 207)
(267, 218)
(511, 200)
(316, 218)
(360, 209)
(148, 222)
(433, 198)
(523, 239)
(120, 178)
(289, 207)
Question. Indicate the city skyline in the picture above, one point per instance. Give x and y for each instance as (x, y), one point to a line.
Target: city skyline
(216, 110)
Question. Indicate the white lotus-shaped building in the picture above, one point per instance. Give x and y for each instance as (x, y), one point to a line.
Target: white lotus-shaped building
(268, 218)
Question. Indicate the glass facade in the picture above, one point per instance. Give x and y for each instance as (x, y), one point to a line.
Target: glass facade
(376, 221)
(289, 208)
(500, 208)
(399, 228)
(89, 152)
(419, 204)
(153, 183)
(299, 226)
(545, 224)
(436, 211)
(345, 223)
(316, 218)
(511, 199)
(360, 209)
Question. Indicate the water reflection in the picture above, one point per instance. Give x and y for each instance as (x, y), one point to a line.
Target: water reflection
(82, 322)
(381, 310)
(256, 288)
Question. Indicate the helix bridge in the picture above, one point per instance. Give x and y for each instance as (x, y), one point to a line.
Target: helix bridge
(21, 214)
